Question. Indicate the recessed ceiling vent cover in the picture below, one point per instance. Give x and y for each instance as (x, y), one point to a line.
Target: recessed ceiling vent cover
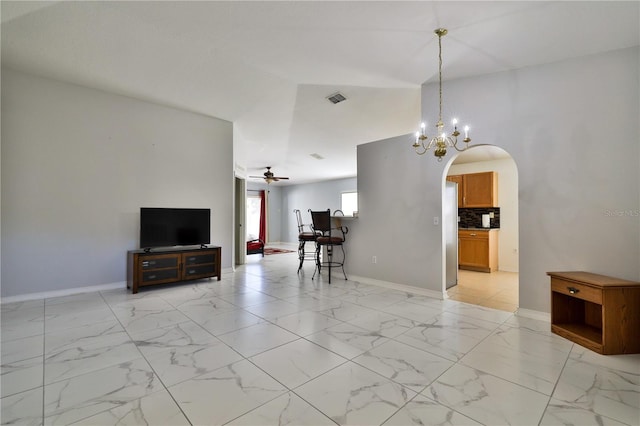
(336, 98)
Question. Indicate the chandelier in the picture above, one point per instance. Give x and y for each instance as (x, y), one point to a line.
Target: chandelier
(440, 141)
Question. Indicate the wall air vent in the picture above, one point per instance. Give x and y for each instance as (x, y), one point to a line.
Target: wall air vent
(336, 98)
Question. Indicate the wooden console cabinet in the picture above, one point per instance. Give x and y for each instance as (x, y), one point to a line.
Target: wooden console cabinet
(598, 312)
(162, 266)
(478, 250)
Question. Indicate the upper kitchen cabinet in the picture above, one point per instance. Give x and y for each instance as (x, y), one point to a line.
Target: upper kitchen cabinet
(480, 189)
(477, 189)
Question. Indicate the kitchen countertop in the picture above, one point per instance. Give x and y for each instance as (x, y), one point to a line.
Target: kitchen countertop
(479, 229)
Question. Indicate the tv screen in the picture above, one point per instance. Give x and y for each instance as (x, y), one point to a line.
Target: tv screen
(161, 227)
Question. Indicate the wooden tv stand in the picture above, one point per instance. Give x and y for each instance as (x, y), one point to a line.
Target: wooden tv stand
(169, 265)
(598, 312)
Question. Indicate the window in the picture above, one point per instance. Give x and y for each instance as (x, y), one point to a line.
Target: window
(253, 217)
(349, 203)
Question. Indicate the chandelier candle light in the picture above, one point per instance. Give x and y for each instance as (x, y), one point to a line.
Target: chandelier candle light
(441, 141)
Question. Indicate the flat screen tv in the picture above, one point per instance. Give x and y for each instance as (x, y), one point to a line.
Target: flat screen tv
(165, 227)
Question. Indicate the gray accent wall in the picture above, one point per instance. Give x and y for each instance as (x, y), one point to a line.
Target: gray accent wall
(77, 165)
(572, 129)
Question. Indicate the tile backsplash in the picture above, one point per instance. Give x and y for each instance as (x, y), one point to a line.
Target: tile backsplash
(472, 217)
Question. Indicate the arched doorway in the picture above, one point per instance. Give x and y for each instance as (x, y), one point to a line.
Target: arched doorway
(495, 284)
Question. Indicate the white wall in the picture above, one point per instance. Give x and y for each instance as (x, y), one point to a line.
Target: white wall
(572, 129)
(77, 165)
(314, 196)
(508, 203)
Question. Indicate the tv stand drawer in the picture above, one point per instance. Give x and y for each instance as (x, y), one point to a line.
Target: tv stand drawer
(159, 261)
(165, 276)
(199, 259)
(199, 271)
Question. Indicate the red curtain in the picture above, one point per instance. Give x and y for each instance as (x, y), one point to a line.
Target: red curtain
(263, 217)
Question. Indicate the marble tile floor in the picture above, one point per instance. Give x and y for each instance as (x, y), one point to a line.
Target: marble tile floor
(266, 346)
(497, 290)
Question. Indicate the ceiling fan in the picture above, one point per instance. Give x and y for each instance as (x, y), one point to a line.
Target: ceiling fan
(269, 177)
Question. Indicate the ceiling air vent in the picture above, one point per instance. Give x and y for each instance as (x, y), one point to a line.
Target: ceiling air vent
(336, 98)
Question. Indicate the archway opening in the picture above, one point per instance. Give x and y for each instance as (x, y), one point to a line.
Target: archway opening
(483, 268)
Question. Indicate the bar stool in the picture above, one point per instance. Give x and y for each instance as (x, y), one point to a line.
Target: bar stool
(303, 238)
(322, 223)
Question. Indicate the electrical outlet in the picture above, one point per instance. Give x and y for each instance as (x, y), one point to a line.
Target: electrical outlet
(374, 259)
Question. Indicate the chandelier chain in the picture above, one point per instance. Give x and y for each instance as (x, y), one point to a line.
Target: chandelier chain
(440, 73)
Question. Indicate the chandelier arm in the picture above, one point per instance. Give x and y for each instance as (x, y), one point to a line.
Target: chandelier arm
(424, 150)
(432, 142)
(455, 146)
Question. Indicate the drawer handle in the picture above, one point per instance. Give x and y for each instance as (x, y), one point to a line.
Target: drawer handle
(573, 290)
(473, 235)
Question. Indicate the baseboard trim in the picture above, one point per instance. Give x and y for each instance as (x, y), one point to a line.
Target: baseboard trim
(397, 286)
(537, 315)
(65, 292)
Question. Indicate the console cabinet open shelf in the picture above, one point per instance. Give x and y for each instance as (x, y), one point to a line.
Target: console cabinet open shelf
(598, 312)
(163, 266)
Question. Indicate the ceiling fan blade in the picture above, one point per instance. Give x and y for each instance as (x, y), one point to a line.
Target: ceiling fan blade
(269, 177)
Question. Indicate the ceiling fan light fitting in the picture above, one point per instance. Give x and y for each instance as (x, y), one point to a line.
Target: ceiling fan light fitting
(269, 177)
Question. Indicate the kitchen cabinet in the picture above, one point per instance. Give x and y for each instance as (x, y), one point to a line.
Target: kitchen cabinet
(477, 189)
(478, 250)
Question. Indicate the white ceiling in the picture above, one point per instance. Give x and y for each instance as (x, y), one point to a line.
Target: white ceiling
(269, 66)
